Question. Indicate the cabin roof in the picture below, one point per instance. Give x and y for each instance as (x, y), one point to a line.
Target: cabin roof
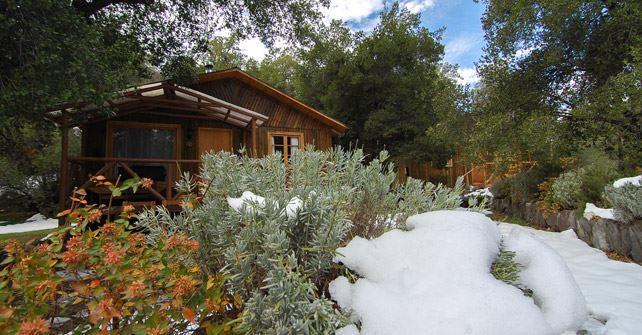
(246, 78)
(167, 94)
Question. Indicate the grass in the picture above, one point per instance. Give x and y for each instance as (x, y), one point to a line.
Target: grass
(24, 237)
(500, 217)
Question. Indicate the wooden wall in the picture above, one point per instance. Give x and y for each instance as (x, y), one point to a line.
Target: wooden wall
(281, 116)
(95, 134)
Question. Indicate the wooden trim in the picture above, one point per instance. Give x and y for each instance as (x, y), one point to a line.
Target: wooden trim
(131, 124)
(270, 134)
(198, 138)
(261, 86)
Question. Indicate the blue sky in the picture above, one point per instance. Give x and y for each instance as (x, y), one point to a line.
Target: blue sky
(463, 36)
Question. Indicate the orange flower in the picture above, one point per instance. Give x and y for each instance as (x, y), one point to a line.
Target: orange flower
(74, 243)
(74, 257)
(181, 241)
(33, 327)
(128, 209)
(114, 257)
(157, 331)
(104, 310)
(109, 228)
(136, 239)
(136, 289)
(184, 285)
(146, 183)
(42, 249)
(94, 215)
(12, 247)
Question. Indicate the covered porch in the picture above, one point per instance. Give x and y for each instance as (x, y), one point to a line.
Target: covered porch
(154, 131)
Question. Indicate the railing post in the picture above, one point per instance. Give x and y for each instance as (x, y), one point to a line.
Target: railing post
(63, 180)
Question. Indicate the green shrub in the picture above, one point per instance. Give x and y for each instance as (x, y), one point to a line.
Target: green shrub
(592, 171)
(626, 201)
(281, 264)
(566, 190)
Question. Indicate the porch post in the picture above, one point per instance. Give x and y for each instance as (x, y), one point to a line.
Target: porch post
(253, 134)
(64, 162)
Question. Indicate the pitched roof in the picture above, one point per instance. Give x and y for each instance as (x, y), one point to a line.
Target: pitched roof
(256, 83)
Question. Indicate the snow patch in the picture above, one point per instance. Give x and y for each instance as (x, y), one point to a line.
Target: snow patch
(591, 211)
(36, 217)
(636, 181)
(247, 202)
(43, 224)
(546, 274)
(435, 279)
(484, 192)
(612, 289)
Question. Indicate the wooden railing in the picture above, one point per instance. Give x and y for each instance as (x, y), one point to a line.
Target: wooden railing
(163, 191)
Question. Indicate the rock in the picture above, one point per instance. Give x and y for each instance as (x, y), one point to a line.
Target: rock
(635, 236)
(598, 235)
(551, 221)
(617, 236)
(566, 221)
(584, 229)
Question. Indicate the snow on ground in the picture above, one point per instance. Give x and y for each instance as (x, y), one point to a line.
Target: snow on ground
(591, 211)
(613, 290)
(637, 181)
(435, 279)
(36, 222)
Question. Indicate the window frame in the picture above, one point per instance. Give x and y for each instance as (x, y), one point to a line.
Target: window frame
(286, 147)
(143, 125)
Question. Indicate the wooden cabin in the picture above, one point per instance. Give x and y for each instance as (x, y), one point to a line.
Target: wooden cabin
(157, 130)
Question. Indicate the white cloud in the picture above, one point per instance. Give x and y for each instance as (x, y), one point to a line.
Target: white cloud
(467, 75)
(459, 47)
(254, 48)
(352, 10)
(418, 6)
(360, 14)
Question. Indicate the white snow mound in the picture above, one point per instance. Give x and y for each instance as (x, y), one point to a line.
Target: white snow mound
(591, 211)
(435, 279)
(637, 181)
(247, 202)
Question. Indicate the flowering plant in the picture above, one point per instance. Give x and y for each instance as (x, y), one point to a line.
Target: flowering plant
(110, 280)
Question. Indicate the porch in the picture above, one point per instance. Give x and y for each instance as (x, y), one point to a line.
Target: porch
(157, 131)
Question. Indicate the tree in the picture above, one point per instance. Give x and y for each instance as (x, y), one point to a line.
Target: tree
(558, 75)
(382, 85)
(56, 52)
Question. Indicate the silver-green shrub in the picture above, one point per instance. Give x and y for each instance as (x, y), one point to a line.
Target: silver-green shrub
(279, 264)
(566, 189)
(626, 201)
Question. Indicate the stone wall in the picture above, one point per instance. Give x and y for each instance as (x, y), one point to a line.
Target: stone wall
(608, 235)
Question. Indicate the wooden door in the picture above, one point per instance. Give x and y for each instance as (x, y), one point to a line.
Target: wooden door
(214, 139)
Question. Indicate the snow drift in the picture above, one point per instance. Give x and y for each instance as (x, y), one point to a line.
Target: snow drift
(435, 279)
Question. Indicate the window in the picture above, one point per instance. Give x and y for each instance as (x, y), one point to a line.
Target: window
(143, 140)
(285, 144)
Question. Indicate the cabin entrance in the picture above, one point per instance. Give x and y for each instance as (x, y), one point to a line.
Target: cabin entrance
(214, 139)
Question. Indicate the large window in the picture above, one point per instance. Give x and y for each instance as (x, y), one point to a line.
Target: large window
(285, 144)
(144, 140)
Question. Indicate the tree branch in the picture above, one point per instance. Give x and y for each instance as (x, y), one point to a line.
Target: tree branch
(90, 8)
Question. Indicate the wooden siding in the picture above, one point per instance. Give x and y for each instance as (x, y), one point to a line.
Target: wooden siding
(282, 117)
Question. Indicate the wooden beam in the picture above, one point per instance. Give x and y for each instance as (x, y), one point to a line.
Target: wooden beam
(253, 128)
(63, 188)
